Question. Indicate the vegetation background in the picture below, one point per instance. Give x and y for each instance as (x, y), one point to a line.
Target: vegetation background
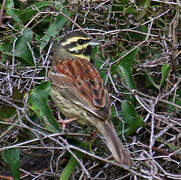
(139, 60)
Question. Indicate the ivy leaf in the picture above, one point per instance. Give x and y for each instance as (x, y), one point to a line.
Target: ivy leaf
(131, 117)
(53, 30)
(22, 49)
(165, 71)
(12, 158)
(38, 102)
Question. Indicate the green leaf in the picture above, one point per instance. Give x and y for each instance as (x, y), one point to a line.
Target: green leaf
(124, 69)
(72, 164)
(143, 3)
(6, 112)
(170, 145)
(15, 14)
(70, 167)
(54, 29)
(38, 102)
(24, 16)
(31, 11)
(131, 117)
(6, 48)
(137, 36)
(22, 49)
(165, 71)
(12, 158)
(123, 2)
(9, 4)
(129, 10)
(150, 79)
(98, 62)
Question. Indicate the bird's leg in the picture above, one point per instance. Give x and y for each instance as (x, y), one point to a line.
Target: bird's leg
(93, 134)
(92, 138)
(64, 122)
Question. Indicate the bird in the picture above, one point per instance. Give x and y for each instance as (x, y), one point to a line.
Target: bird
(78, 90)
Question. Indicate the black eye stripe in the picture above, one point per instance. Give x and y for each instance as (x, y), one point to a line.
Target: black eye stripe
(82, 41)
(76, 52)
(78, 42)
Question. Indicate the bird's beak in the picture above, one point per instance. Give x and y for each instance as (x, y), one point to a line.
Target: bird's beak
(93, 42)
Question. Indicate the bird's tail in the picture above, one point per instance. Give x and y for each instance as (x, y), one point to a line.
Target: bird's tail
(114, 144)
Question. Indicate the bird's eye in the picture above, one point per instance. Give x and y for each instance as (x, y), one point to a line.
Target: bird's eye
(80, 41)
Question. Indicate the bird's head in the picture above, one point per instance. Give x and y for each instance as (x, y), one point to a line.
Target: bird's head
(74, 45)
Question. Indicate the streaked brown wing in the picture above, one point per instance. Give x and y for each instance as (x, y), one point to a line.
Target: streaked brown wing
(80, 82)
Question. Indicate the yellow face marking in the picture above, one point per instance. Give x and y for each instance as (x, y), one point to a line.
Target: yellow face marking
(73, 39)
(79, 47)
(81, 56)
